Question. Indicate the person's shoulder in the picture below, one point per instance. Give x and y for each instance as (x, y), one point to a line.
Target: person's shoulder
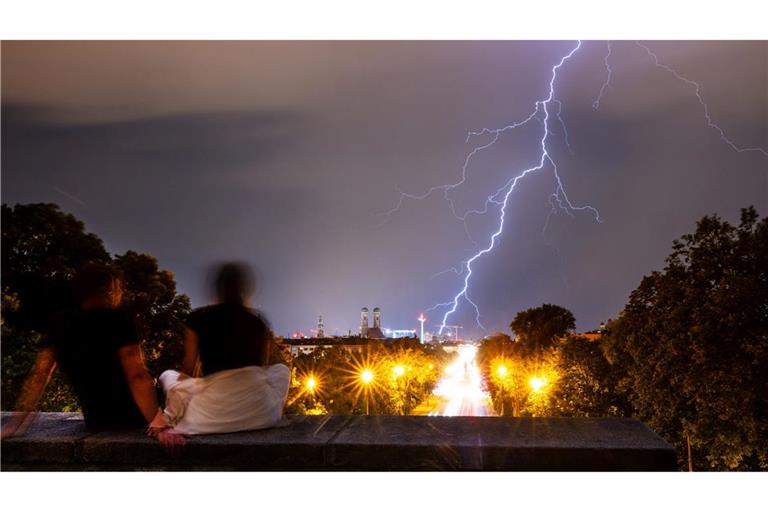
(117, 315)
(201, 315)
(257, 316)
(203, 311)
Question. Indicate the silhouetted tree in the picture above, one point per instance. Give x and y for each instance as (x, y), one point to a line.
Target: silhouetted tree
(586, 382)
(150, 295)
(507, 368)
(539, 328)
(693, 345)
(42, 249)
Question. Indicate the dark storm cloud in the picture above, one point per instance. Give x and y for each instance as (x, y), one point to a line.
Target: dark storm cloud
(283, 154)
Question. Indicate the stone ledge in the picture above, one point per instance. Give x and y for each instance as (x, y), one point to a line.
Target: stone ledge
(59, 441)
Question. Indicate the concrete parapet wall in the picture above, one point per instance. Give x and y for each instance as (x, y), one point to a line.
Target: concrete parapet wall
(59, 441)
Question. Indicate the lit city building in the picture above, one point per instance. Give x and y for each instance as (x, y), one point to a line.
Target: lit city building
(364, 322)
(400, 333)
(301, 346)
(375, 332)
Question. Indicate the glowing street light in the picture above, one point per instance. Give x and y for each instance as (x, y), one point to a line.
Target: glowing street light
(367, 377)
(537, 384)
(501, 373)
(398, 370)
(311, 384)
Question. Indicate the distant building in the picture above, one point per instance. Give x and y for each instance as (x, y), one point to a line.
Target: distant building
(364, 323)
(436, 337)
(299, 344)
(308, 345)
(375, 332)
(400, 333)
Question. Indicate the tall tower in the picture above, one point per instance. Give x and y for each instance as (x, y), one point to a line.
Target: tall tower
(320, 331)
(364, 323)
(377, 318)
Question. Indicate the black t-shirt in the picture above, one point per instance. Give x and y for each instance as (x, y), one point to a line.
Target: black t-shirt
(229, 336)
(86, 344)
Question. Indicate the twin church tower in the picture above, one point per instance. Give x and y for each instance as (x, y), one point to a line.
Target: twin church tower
(374, 332)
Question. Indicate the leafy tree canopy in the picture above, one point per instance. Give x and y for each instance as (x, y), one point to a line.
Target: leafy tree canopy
(693, 345)
(43, 248)
(539, 328)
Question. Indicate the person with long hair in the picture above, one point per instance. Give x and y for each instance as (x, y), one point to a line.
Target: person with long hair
(226, 383)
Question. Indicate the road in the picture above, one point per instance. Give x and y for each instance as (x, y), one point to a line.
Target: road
(459, 392)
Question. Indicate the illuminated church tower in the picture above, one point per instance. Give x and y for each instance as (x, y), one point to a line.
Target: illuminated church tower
(377, 318)
(320, 331)
(364, 322)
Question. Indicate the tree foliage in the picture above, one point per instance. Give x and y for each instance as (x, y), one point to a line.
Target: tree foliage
(159, 311)
(404, 374)
(43, 248)
(587, 382)
(508, 367)
(567, 376)
(539, 328)
(693, 345)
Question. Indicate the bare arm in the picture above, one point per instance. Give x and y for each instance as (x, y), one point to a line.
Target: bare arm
(139, 381)
(191, 353)
(33, 389)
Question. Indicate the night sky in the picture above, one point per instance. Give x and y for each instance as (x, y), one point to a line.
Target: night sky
(284, 154)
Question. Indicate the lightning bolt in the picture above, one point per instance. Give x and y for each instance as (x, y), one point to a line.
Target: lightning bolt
(559, 199)
(609, 75)
(542, 105)
(697, 90)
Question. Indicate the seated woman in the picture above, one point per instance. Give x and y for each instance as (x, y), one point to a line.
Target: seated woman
(97, 348)
(229, 345)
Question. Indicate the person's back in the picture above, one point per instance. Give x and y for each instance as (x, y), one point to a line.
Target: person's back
(237, 390)
(229, 336)
(86, 344)
(98, 350)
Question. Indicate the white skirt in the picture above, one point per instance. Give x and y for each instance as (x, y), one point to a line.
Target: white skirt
(246, 398)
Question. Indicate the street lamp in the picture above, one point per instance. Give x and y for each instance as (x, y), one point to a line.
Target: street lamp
(501, 372)
(366, 376)
(537, 384)
(398, 370)
(311, 384)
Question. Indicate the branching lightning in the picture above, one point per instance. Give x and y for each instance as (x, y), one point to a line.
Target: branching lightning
(559, 200)
(697, 90)
(608, 76)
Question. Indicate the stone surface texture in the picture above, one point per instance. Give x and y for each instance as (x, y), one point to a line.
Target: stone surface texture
(59, 441)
